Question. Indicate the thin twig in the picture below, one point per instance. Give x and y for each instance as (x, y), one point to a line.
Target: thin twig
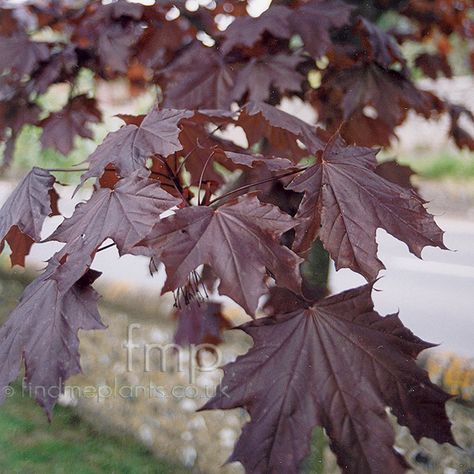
(68, 170)
(174, 179)
(202, 176)
(106, 247)
(263, 181)
(194, 149)
(216, 130)
(184, 160)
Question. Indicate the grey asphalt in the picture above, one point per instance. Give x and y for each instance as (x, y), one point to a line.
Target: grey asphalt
(435, 296)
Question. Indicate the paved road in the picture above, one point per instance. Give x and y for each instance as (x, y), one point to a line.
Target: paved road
(435, 296)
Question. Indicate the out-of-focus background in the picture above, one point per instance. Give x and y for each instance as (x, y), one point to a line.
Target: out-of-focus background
(104, 424)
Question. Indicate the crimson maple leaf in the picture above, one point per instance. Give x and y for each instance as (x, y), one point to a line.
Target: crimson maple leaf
(42, 331)
(23, 214)
(60, 128)
(239, 240)
(337, 364)
(346, 201)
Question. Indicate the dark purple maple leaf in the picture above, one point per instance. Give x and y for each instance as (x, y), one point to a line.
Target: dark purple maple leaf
(60, 128)
(202, 151)
(380, 46)
(282, 130)
(387, 91)
(396, 173)
(11, 22)
(200, 323)
(124, 214)
(337, 364)
(225, 239)
(200, 144)
(247, 31)
(367, 131)
(370, 101)
(159, 43)
(254, 160)
(114, 45)
(345, 202)
(117, 150)
(314, 20)
(15, 112)
(110, 31)
(20, 55)
(199, 78)
(122, 8)
(60, 66)
(159, 131)
(128, 148)
(259, 77)
(434, 65)
(23, 214)
(460, 135)
(42, 331)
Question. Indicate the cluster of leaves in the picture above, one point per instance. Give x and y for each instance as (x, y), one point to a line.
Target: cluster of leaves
(334, 363)
(233, 220)
(364, 78)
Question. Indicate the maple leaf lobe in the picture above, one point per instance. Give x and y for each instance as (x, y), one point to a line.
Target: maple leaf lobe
(346, 201)
(224, 238)
(337, 364)
(23, 213)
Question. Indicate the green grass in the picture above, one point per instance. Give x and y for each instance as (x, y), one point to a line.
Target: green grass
(436, 164)
(442, 164)
(28, 153)
(29, 444)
